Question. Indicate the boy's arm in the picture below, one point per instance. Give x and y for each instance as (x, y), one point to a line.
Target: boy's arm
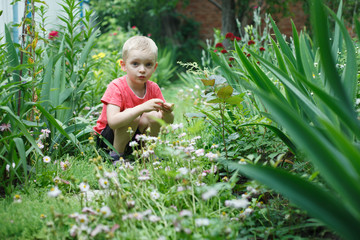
(117, 119)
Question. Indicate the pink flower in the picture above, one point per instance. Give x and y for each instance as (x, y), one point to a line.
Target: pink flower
(133, 27)
(53, 34)
(5, 127)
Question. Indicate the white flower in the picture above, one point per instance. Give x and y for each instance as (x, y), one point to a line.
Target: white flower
(155, 195)
(89, 210)
(154, 218)
(185, 213)
(200, 152)
(246, 212)
(167, 169)
(180, 188)
(211, 156)
(54, 192)
(84, 187)
(64, 165)
(199, 222)
(105, 211)
(73, 231)
(144, 175)
(98, 229)
(45, 132)
(209, 194)
(8, 167)
(40, 145)
(176, 126)
(112, 174)
(183, 171)
(133, 144)
(182, 135)
(237, 203)
(82, 219)
(104, 183)
(46, 159)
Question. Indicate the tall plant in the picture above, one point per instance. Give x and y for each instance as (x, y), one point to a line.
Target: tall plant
(315, 104)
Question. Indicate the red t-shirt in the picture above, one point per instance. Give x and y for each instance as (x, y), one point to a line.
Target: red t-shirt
(120, 94)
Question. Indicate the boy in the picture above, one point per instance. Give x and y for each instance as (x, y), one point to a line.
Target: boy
(132, 100)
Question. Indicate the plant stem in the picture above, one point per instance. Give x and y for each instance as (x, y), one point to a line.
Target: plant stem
(222, 107)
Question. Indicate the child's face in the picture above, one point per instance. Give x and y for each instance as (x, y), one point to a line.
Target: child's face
(139, 66)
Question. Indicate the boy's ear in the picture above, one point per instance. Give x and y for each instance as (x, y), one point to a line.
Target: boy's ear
(122, 63)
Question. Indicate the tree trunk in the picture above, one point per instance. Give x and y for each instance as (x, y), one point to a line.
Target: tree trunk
(228, 18)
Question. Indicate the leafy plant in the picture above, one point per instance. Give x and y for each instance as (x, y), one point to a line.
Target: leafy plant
(318, 114)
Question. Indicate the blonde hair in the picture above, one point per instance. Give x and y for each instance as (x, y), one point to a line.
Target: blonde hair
(139, 43)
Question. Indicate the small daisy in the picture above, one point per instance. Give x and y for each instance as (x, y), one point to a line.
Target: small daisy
(64, 165)
(237, 203)
(46, 159)
(183, 171)
(40, 145)
(54, 192)
(82, 219)
(17, 198)
(84, 187)
(89, 210)
(144, 175)
(98, 229)
(200, 152)
(185, 213)
(105, 211)
(133, 144)
(155, 195)
(104, 183)
(211, 156)
(154, 218)
(209, 194)
(199, 222)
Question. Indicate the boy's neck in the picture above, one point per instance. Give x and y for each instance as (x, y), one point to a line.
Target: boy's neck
(139, 90)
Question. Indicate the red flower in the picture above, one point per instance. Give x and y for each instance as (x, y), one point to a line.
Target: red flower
(248, 55)
(229, 35)
(238, 39)
(219, 45)
(251, 42)
(262, 49)
(230, 65)
(231, 59)
(224, 51)
(133, 27)
(53, 34)
(215, 50)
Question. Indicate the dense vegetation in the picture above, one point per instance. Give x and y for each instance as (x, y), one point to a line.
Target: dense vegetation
(265, 144)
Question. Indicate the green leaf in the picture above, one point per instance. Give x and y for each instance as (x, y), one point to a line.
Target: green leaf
(55, 123)
(225, 92)
(319, 203)
(23, 128)
(87, 48)
(21, 150)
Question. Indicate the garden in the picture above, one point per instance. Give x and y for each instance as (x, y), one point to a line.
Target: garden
(264, 145)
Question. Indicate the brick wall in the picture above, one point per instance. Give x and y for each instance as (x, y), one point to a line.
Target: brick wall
(204, 12)
(209, 17)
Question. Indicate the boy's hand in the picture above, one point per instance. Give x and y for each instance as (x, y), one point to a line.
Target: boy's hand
(168, 107)
(153, 105)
